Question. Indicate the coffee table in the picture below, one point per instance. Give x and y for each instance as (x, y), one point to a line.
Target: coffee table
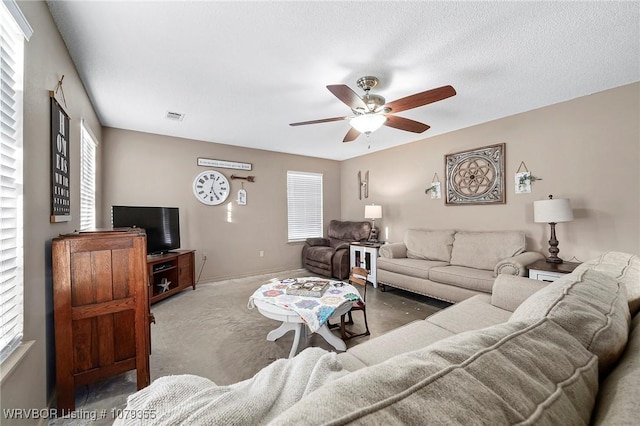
(287, 309)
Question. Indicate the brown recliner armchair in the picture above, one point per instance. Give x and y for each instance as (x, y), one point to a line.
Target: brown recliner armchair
(330, 256)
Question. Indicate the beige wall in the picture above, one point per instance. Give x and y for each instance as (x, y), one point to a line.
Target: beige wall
(586, 149)
(46, 60)
(150, 170)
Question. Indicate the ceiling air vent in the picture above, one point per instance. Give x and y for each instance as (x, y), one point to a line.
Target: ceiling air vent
(175, 116)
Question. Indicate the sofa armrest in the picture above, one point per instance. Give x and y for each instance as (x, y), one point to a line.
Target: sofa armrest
(510, 291)
(517, 265)
(393, 250)
(317, 242)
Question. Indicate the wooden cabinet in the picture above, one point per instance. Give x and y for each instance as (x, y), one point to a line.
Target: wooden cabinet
(101, 309)
(170, 273)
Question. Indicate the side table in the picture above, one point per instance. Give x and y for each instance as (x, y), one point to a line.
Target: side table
(365, 255)
(544, 271)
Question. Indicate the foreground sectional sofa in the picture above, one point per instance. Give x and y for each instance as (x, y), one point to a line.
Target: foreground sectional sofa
(453, 265)
(561, 353)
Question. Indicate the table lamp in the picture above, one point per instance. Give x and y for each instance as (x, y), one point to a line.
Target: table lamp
(373, 212)
(553, 211)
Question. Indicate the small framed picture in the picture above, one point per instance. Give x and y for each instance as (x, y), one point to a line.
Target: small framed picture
(242, 197)
(523, 183)
(436, 192)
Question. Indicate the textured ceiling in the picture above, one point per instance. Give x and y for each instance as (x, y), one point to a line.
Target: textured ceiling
(242, 71)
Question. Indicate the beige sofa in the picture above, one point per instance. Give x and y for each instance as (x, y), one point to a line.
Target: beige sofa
(561, 353)
(453, 265)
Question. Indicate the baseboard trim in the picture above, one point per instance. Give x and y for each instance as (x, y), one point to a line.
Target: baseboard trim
(251, 274)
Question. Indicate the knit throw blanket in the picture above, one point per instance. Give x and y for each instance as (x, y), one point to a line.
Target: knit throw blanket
(195, 400)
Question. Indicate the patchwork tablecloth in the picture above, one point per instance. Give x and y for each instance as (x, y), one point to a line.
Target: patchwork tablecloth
(314, 311)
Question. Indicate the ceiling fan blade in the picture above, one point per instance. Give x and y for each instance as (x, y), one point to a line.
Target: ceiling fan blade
(405, 124)
(324, 120)
(348, 96)
(422, 98)
(351, 135)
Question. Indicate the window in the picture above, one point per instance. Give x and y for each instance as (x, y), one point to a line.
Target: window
(12, 33)
(87, 178)
(304, 205)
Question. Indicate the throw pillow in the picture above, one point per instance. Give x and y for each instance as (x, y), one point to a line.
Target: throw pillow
(429, 245)
(483, 250)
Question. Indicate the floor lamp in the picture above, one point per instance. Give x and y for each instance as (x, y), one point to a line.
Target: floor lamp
(553, 211)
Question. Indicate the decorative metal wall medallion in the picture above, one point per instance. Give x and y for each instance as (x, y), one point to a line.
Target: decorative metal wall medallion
(475, 177)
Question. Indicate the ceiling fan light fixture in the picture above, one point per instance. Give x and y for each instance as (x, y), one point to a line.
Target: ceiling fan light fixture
(367, 123)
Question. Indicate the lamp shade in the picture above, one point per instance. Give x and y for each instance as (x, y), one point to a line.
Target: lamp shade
(367, 123)
(553, 210)
(372, 212)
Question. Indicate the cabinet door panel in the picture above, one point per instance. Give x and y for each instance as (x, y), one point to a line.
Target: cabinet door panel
(85, 350)
(107, 340)
(122, 263)
(82, 289)
(124, 347)
(185, 273)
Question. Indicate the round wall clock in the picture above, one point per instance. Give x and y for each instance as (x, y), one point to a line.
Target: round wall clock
(211, 187)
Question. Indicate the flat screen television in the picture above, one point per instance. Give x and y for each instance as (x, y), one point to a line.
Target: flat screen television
(161, 224)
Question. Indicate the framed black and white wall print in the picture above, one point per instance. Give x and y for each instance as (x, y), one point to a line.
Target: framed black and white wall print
(60, 175)
(476, 176)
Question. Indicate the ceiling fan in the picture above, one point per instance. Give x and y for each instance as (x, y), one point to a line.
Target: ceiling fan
(370, 111)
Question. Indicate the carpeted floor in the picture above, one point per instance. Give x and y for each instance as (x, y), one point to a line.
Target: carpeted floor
(210, 332)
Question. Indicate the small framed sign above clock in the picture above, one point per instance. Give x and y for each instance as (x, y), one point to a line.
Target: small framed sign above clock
(211, 187)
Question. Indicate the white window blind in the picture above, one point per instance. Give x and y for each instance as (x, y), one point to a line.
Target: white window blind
(304, 205)
(11, 273)
(87, 178)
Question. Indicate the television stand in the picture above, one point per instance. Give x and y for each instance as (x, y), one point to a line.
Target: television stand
(170, 273)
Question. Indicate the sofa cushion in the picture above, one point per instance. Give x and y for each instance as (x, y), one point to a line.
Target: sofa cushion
(460, 276)
(409, 337)
(320, 254)
(410, 267)
(446, 292)
(429, 245)
(590, 305)
(473, 313)
(620, 392)
(337, 244)
(483, 250)
(507, 374)
(626, 268)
